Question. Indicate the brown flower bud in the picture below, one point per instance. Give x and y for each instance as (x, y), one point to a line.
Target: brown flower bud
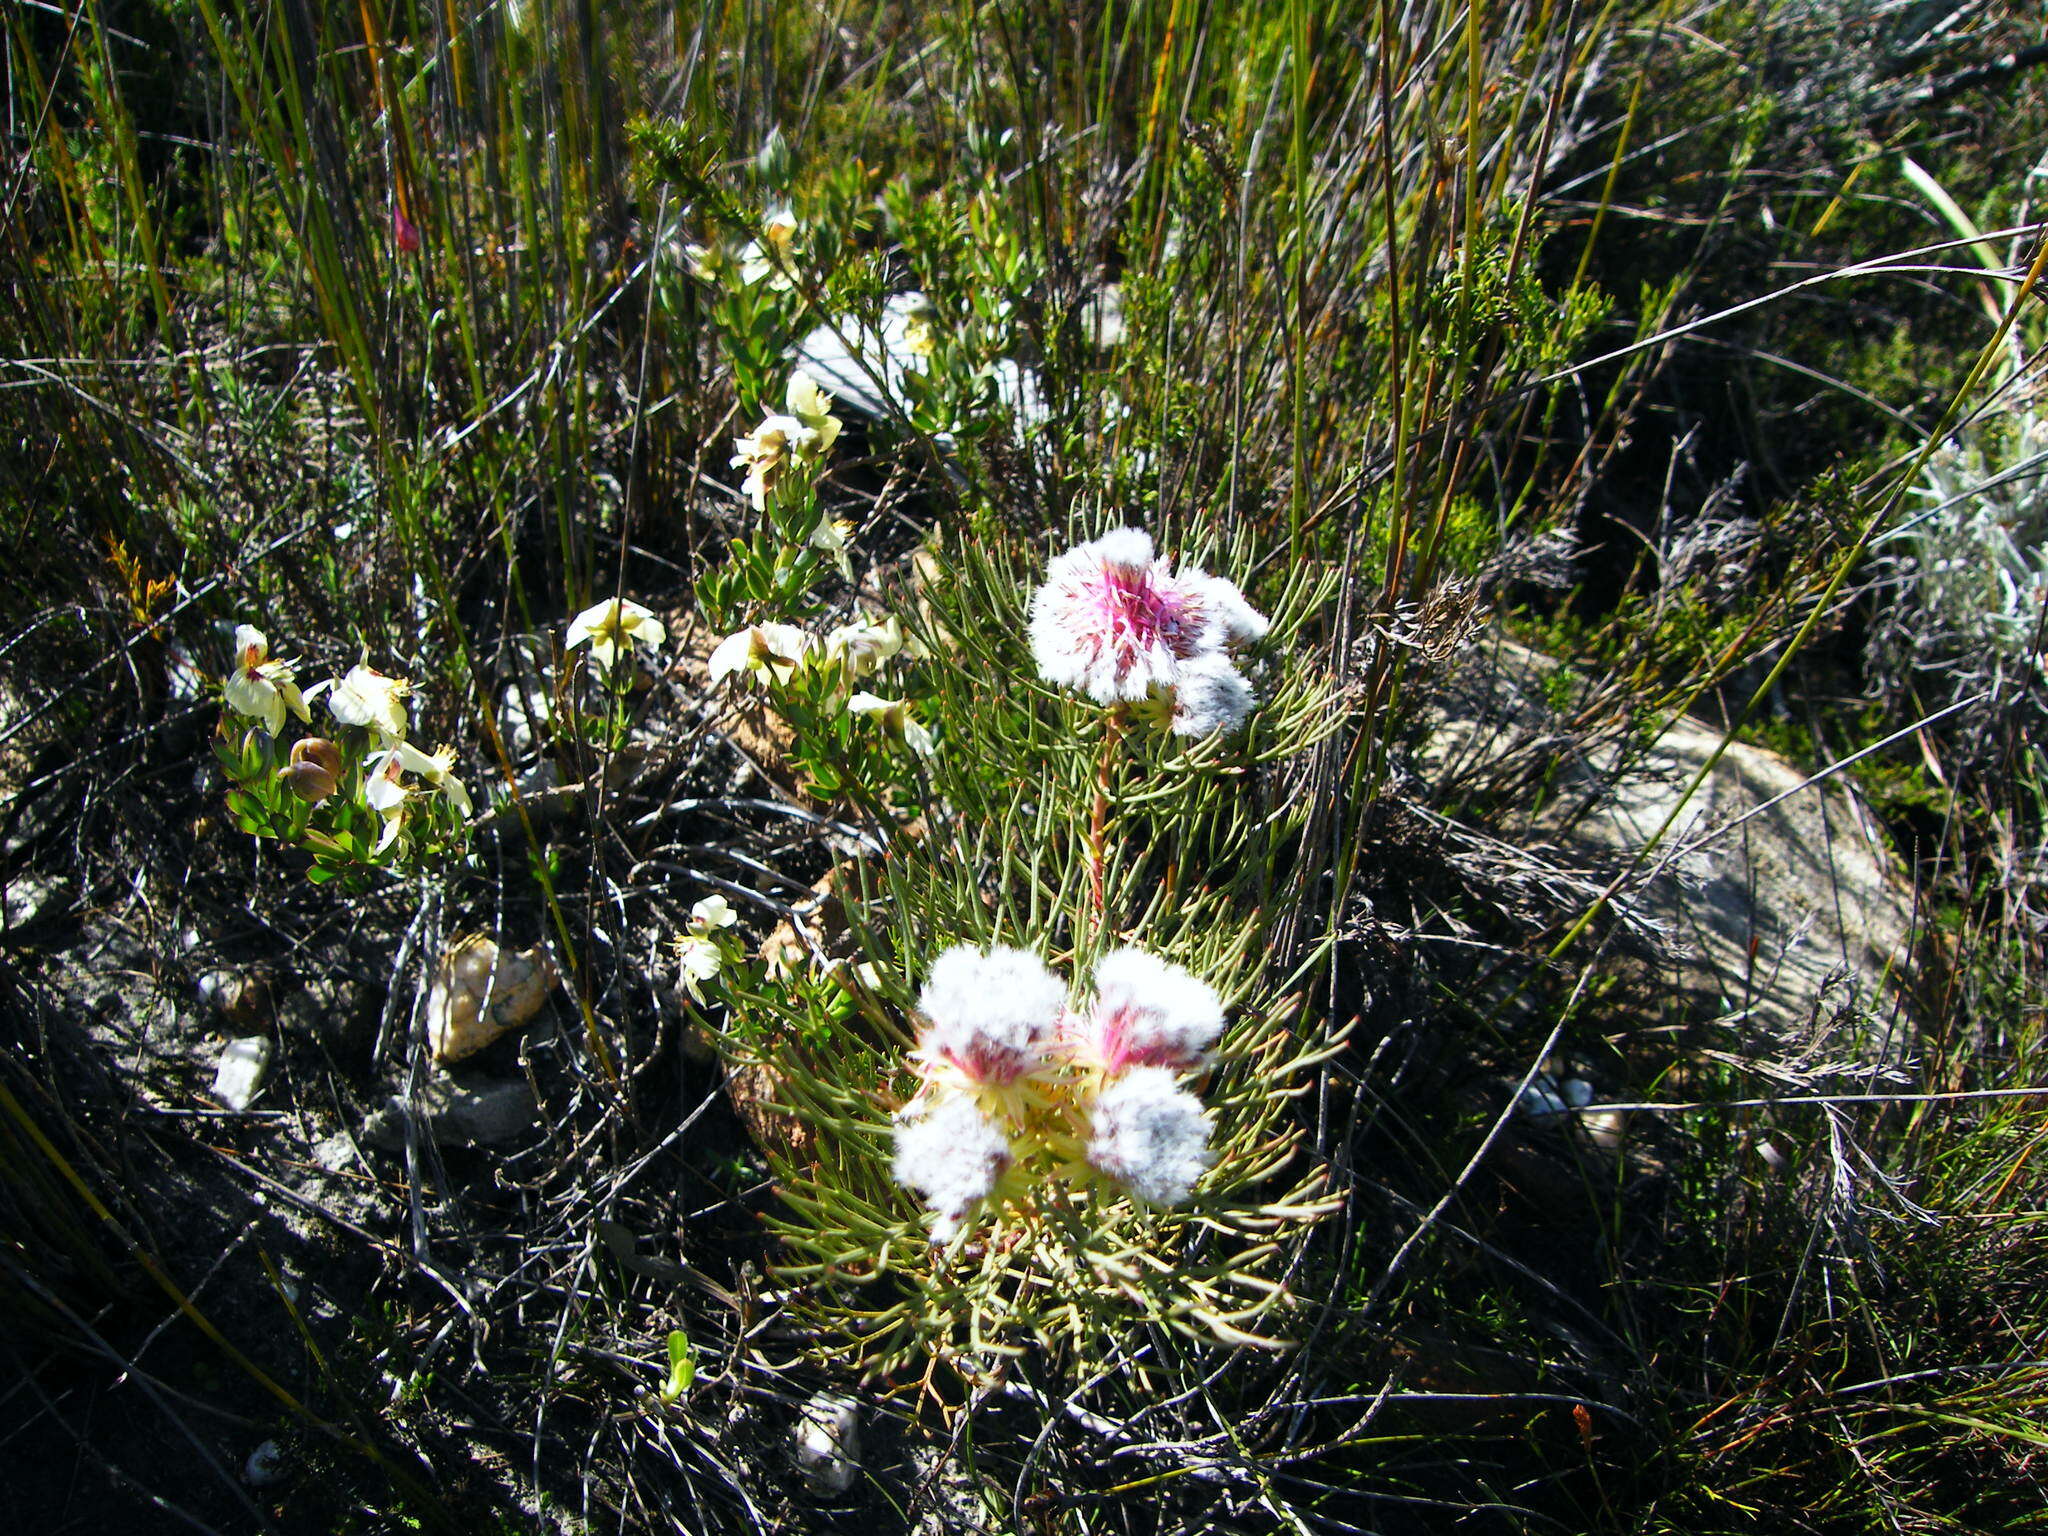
(318, 749)
(307, 779)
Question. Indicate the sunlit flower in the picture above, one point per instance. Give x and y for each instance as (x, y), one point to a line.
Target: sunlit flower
(258, 688)
(992, 1014)
(894, 716)
(1116, 623)
(803, 434)
(769, 257)
(829, 537)
(920, 335)
(810, 405)
(1147, 1013)
(699, 960)
(314, 772)
(711, 913)
(613, 626)
(864, 645)
(952, 1153)
(770, 652)
(438, 769)
(704, 262)
(370, 700)
(385, 791)
(1150, 1135)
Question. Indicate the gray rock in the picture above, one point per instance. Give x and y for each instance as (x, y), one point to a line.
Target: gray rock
(29, 897)
(826, 1444)
(1766, 893)
(244, 1065)
(482, 1113)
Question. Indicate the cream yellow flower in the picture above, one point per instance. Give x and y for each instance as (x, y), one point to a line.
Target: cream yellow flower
(864, 644)
(711, 913)
(920, 336)
(259, 688)
(370, 700)
(699, 960)
(803, 434)
(770, 257)
(894, 716)
(771, 652)
(386, 792)
(829, 537)
(612, 626)
(813, 407)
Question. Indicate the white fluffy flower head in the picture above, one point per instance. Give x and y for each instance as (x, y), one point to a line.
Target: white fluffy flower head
(1148, 1013)
(952, 1153)
(1209, 695)
(992, 1013)
(1117, 623)
(1150, 1135)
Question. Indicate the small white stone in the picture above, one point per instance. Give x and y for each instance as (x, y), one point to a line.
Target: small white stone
(1578, 1092)
(826, 1444)
(244, 1064)
(1541, 1100)
(265, 1467)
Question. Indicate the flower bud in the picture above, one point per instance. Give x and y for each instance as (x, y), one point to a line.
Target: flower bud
(308, 779)
(318, 749)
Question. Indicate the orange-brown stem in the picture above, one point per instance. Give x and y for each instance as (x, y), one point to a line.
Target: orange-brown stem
(1098, 820)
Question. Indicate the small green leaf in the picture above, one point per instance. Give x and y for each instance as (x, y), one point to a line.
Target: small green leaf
(682, 1366)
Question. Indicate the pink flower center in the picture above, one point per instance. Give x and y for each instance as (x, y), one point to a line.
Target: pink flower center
(1129, 610)
(1122, 1041)
(986, 1062)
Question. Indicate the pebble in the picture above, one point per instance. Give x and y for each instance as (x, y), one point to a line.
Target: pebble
(482, 992)
(826, 1444)
(240, 997)
(244, 1064)
(265, 1467)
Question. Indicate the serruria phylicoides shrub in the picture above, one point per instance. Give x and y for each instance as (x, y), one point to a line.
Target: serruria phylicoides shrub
(1049, 1095)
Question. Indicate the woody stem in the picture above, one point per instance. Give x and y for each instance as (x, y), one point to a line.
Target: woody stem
(1098, 820)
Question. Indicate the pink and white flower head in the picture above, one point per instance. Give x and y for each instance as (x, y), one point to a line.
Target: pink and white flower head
(952, 1153)
(992, 1015)
(1116, 622)
(1148, 1013)
(1150, 1135)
